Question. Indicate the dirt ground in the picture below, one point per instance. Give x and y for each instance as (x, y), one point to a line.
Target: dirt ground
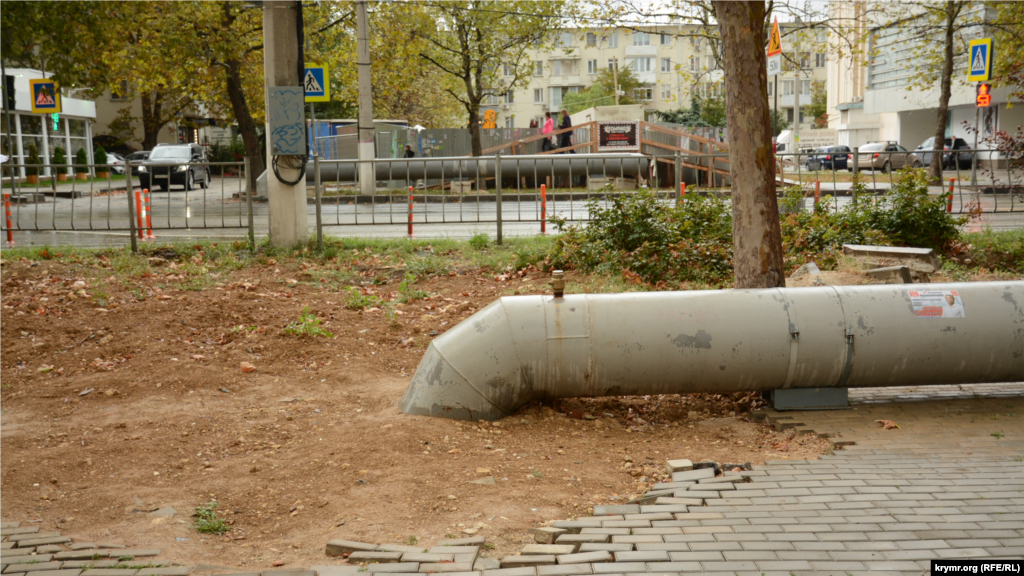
(119, 398)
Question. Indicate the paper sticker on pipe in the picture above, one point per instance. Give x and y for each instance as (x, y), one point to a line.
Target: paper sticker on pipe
(936, 303)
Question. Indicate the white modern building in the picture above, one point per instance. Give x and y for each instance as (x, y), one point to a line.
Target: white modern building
(71, 131)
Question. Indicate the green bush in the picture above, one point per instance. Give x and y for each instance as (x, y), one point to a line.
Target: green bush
(996, 250)
(100, 156)
(663, 245)
(32, 160)
(60, 157)
(81, 161)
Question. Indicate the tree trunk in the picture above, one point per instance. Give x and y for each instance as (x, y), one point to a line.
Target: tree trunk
(757, 236)
(474, 127)
(935, 169)
(246, 125)
(151, 121)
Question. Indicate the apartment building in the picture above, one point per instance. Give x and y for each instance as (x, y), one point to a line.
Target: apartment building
(671, 61)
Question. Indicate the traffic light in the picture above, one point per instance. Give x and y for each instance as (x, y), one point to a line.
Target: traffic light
(9, 91)
(983, 97)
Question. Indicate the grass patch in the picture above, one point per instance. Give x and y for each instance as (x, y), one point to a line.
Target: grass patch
(307, 325)
(206, 520)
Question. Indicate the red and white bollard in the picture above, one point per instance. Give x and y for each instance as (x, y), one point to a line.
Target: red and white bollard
(149, 219)
(682, 192)
(409, 235)
(543, 209)
(817, 191)
(949, 199)
(7, 211)
(138, 215)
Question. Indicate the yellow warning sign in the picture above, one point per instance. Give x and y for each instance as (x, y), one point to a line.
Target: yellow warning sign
(775, 41)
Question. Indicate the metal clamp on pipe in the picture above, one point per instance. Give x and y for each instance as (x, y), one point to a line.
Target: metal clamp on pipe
(558, 283)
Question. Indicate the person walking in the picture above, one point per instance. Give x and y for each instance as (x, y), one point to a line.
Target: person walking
(408, 152)
(565, 138)
(549, 127)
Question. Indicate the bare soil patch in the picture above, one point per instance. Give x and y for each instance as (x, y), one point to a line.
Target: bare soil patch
(310, 446)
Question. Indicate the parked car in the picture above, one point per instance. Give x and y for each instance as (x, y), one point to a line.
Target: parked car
(828, 158)
(136, 158)
(175, 164)
(885, 156)
(953, 159)
(116, 162)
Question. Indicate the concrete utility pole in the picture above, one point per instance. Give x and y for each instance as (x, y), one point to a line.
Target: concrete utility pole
(367, 170)
(281, 61)
(615, 78)
(796, 109)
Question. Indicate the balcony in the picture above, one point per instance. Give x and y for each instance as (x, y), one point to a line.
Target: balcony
(647, 77)
(573, 80)
(632, 51)
(787, 101)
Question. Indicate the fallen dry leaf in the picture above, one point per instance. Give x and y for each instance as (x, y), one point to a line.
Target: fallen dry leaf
(784, 447)
(889, 424)
(247, 367)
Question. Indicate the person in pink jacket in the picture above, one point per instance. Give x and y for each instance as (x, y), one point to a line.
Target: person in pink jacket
(549, 127)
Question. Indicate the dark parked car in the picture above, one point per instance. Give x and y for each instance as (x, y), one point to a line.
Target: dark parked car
(829, 158)
(136, 158)
(953, 159)
(177, 164)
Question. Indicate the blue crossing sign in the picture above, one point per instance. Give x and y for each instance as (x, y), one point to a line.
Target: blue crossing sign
(45, 96)
(980, 63)
(317, 83)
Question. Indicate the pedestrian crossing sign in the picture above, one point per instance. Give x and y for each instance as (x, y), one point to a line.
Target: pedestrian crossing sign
(981, 60)
(45, 96)
(317, 83)
(774, 40)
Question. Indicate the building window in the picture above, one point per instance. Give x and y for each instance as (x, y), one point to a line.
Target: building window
(666, 39)
(789, 115)
(666, 65)
(538, 68)
(509, 98)
(591, 66)
(694, 63)
(805, 59)
(491, 100)
(563, 39)
(771, 88)
(640, 64)
(666, 92)
(787, 88)
(509, 122)
(645, 93)
(712, 64)
(805, 87)
(562, 68)
(121, 94)
(591, 39)
(538, 95)
(613, 40)
(641, 39)
(611, 63)
(819, 60)
(508, 70)
(556, 96)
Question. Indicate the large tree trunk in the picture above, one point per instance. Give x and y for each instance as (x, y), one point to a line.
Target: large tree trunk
(151, 121)
(474, 127)
(246, 125)
(757, 236)
(935, 170)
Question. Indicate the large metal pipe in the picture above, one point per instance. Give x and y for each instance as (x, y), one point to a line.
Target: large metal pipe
(524, 348)
(464, 167)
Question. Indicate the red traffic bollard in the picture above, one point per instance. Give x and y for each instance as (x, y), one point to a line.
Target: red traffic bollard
(138, 215)
(949, 199)
(149, 218)
(7, 210)
(409, 235)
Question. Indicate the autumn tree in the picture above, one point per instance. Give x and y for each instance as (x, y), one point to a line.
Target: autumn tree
(818, 108)
(483, 45)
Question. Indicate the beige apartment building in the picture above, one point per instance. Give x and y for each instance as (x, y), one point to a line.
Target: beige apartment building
(670, 60)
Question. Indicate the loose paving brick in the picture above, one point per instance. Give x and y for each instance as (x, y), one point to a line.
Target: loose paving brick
(375, 557)
(115, 572)
(547, 535)
(524, 571)
(44, 541)
(402, 567)
(72, 572)
(339, 547)
(168, 571)
(532, 560)
(545, 549)
(564, 570)
(447, 567)
(36, 567)
(586, 557)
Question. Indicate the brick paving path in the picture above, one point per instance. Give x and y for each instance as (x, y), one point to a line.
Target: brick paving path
(948, 483)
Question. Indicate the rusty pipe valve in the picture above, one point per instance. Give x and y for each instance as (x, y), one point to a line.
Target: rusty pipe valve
(558, 283)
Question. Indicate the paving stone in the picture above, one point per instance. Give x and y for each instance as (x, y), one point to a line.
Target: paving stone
(27, 558)
(523, 571)
(546, 549)
(576, 525)
(424, 557)
(532, 560)
(643, 556)
(667, 508)
(608, 510)
(586, 557)
(82, 546)
(786, 565)
(36, 567)
(681, 465)
(32, 536)
(672, 486)
(673, 566)
(712, 547)
(6, 525)
(44, 541)
(607, 546)
(547, 535)
(637, 539)
(687, 475)
(608, 531)
(90, 564)
(659, 531)
(470, 558)
(576, 539)
(17, 531)
(48, 549)
(706, 556)
(487, 564)
(730, 567)
(375, 557)
(564, 570)
(339, 547)
(82, 554)
(168, 571)
(399, 548)
(678, 501)
(447, 567)
(72, 572)
(125, 572)
(963, 553)
(6, 545)
(664, 546)
(454, 550)
(650, 516)
(618, 567)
